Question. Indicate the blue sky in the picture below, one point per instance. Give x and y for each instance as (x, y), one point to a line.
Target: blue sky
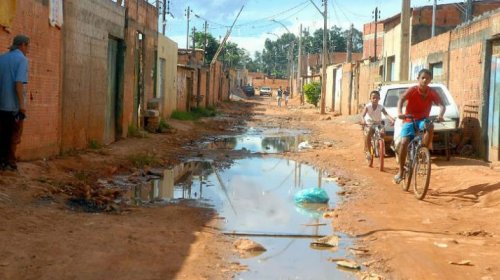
(255, 22)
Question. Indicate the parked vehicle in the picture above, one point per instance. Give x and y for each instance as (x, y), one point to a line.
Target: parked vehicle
(389, 96)
(249, 90)
(266, 91)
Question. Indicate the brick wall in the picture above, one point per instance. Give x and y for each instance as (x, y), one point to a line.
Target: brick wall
(42, 128)
(141, 17)
(88, 27)
(431, 51)
(369, 79)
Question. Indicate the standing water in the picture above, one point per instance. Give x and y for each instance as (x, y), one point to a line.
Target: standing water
(255, 197)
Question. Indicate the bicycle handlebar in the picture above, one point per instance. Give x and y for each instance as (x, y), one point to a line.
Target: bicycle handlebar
(410, 116)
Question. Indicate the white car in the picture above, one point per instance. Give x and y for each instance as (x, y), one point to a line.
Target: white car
(389, 96)
(265, 91)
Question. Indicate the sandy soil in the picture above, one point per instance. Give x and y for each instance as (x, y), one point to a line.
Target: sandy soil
(42, 237)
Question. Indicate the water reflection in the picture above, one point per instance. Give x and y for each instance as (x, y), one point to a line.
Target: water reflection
(258, 143)
(255, 197)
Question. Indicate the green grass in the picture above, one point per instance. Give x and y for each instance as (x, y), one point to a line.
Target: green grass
(94, 144)
(194, 114)
(142, 159)
(164, 126)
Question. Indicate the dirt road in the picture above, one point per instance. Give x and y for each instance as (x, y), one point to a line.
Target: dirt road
(453, 234)
(43, 237)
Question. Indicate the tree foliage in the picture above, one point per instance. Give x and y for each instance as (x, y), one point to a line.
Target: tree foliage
(274, 59)
(312, 92)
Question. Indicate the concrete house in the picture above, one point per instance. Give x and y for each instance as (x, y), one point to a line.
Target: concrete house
(166, 81)
(469, 57)
(108, 62)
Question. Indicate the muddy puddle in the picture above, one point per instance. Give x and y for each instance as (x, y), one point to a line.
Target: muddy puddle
(254, 197)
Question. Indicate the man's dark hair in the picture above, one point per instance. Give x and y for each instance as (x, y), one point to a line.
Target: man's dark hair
(374, 92)
(18, 41)
(426, 71)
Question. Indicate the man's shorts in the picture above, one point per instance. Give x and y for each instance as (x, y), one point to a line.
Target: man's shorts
(407, 128)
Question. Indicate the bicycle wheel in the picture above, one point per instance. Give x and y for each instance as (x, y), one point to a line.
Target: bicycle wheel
(422, 173)
(381, 154)
(407, 174)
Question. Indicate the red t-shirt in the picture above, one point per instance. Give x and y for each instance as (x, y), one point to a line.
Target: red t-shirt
(420, 107)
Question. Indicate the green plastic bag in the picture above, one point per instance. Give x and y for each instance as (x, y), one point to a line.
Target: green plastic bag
(311, 195)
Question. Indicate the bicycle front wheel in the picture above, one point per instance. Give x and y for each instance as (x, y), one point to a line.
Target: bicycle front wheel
(381, 154)
(422, 173)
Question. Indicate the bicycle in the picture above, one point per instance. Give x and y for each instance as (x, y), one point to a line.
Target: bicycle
(377, 149)
(418, 163)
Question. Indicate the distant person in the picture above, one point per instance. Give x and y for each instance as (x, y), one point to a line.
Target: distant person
(287, 94)
(13, 77)
(279, 95)
(372, 115)
(420, 99)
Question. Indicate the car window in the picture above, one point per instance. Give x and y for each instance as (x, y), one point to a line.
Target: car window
(392, 96)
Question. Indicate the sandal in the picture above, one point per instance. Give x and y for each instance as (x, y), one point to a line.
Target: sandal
(397, 179)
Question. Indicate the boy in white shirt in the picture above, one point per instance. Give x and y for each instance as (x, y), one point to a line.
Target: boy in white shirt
(372, 114)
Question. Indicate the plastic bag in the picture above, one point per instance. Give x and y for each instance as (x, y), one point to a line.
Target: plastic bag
(311, 195)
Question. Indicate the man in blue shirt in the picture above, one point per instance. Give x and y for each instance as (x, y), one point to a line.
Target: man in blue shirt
(13, 77)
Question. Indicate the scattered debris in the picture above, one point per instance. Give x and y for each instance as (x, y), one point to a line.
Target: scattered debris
(441, 245)
(314, 225)
(4, 197)
(358, 251)
(247, 245)
(348, 264)
(327, 241)
(369, 263)
(479, 232)
(330, 215)
(304, 145)
(371, 276)
(464, 262)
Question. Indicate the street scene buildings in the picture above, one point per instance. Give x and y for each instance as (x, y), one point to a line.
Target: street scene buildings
(103, 73)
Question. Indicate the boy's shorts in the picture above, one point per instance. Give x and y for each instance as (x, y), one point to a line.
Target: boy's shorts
(407, 128)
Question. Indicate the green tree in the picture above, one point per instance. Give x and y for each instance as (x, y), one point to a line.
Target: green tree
(312, 92)
(208, 42)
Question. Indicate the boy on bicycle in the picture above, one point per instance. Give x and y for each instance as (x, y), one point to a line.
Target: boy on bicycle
(372, 115)
(420, 99)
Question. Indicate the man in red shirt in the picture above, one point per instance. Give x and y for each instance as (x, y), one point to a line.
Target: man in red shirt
(420, 99)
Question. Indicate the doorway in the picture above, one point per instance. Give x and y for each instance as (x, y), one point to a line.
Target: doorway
(494, 104)
(113, 99)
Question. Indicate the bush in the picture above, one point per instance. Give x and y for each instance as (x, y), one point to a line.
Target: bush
(312, 93)
(195, 114)
(94, 144)
(142, 159)
(163, 126)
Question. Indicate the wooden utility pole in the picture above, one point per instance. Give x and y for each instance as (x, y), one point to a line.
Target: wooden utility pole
(188, 14)
(405, 41)
(433, 29)
(323, 60)
(349, 59)
(298, 83)
(205, 42)
(164, 16)
(377, 15)
(349, 44)
(468, 11)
